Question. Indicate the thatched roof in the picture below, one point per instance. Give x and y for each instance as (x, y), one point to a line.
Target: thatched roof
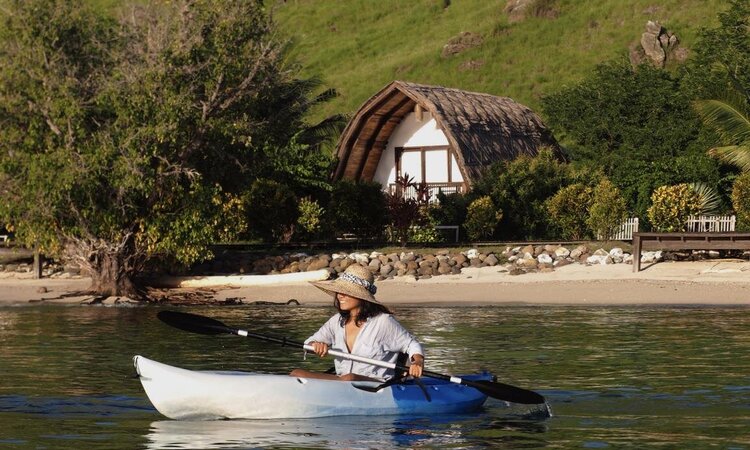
(480, 128)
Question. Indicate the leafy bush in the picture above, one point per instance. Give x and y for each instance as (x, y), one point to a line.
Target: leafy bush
(481, 218)
(310, 218)
(450, 209)
(424, 234)
(741, 200)
(271, 209)
(608, 209)
(671, 206)
(569, 209)
(356, 207)
(520, 188)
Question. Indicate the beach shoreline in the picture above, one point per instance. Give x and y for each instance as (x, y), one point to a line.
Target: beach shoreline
(708, 282)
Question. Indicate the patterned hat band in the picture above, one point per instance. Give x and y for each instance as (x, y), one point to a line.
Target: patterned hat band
(357, 280)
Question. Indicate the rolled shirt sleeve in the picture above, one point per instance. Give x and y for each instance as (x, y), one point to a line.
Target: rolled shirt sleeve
(327, 333)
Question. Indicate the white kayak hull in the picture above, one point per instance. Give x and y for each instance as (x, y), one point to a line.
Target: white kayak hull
(208, 395)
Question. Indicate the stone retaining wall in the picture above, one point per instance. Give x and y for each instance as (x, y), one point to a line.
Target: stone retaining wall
(517, 260)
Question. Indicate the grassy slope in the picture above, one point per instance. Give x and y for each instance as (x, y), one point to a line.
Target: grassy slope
(358, 46)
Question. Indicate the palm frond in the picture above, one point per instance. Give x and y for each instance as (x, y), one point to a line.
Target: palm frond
(737, 155)
(709, 198)
(730, 120)
(326, 131)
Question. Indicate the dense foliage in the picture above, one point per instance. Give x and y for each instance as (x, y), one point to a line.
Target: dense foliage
(358, 208)
(310, 220)
(126, 141)
(636, 124)
(519, 188)
(271, 210)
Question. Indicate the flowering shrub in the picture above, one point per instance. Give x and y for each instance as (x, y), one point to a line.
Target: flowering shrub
(481, 218)
(671, 206)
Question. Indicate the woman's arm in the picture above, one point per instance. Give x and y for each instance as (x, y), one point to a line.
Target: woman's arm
(400, 340)
(324, 337)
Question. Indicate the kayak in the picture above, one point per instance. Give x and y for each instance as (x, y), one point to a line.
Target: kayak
(209, 395)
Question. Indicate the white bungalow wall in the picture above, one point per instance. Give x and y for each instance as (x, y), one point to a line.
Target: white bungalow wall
(413, 133)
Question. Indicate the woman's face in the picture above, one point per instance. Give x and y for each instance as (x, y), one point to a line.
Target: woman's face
(347, 302)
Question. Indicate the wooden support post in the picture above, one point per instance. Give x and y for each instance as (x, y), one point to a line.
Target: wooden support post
(636, 252)
(37, 269)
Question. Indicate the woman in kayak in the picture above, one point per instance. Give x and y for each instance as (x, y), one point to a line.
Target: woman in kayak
(363, 327)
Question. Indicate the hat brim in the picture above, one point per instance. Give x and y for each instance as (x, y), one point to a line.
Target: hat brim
(344, 287)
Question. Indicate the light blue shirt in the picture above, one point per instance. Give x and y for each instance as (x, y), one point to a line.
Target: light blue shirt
(382, 337)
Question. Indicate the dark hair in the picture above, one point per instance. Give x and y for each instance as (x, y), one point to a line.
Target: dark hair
(366, 310)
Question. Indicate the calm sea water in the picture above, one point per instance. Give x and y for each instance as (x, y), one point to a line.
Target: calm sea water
(616, 377)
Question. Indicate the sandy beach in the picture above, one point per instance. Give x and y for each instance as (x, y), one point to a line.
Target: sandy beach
(716, 282)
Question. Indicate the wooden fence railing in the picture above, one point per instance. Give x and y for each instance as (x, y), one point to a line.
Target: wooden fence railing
(711, 224)
(625, 232)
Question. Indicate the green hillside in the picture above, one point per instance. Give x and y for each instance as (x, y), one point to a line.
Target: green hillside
(358, 46)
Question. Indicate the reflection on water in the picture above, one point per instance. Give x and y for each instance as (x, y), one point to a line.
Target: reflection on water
(670, 377)
(346, 432)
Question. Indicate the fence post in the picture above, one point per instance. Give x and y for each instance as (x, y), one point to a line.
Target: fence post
(37, 268)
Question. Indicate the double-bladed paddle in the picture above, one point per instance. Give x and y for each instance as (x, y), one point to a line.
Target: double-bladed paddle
(206, 325)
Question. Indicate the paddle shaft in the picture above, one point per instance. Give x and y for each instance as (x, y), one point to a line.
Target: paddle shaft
(362, 359)
(332, 352)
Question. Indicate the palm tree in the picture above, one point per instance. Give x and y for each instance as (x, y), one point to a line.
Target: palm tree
(730, 117)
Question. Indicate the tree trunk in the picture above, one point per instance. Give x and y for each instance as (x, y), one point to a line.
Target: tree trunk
(110, 278)
(112, 266)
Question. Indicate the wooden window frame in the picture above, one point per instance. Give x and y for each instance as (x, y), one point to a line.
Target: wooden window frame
(399, 151)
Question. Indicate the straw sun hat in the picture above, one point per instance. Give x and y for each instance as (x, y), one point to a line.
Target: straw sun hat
(356, 281)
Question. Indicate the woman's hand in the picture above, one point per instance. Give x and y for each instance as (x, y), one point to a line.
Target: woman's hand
(320, 348)
(417, 365)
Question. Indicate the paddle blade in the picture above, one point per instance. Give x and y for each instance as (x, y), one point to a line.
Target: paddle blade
(193, 323)
(506, 392)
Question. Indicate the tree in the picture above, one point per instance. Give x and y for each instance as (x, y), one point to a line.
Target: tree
(272, 210)
(637, 125)
(721, 55)
(620, 112)
(122, 142)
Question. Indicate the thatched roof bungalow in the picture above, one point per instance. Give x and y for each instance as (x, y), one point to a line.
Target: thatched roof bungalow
(440, 135)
